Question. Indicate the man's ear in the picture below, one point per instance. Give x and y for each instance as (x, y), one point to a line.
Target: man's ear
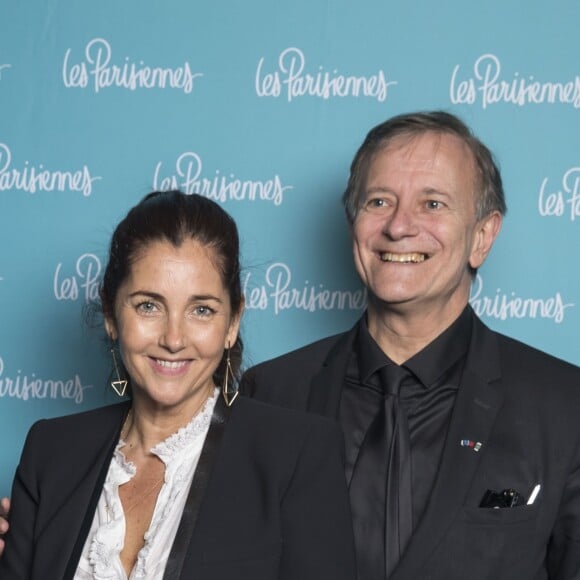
(486, 232)
(350, 225)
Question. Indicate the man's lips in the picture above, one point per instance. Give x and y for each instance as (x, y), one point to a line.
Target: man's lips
(407, 258)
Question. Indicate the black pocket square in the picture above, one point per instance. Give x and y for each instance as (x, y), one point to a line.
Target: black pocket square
(507, 498)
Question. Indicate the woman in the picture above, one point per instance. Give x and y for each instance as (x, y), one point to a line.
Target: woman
(182, 481)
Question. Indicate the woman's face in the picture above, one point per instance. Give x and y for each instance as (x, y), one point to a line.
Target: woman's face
(173, 319)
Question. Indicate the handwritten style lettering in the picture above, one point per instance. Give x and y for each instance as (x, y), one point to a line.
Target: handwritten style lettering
(277, 292)
(97, 71)
(83, 283)
(3, 67)
(34, 179)
(564, 201)
(488, 86)
(189, 178)
(292, 79)
(503, 306)
(27, 387)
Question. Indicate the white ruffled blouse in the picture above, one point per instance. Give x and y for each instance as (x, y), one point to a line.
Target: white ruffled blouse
(180, 453)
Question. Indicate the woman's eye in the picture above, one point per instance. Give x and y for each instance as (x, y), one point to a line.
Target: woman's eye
(202, 310)
(146, 307)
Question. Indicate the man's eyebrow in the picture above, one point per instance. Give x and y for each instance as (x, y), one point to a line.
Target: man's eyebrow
(378, 189)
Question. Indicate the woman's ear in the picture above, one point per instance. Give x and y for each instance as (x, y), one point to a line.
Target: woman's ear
(111, 328)
(234, 328)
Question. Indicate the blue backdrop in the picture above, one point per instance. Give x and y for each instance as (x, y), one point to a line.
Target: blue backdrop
(261, 105)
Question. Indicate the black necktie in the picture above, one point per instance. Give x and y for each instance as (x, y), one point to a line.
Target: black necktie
(398, 501)
(380, 489)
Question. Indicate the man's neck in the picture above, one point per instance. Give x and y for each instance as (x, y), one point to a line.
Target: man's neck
(401, 335)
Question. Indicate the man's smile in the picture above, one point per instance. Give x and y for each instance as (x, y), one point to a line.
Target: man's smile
(408, 258)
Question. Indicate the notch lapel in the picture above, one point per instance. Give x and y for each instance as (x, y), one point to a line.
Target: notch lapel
(72, 512)
(478, 401)
(326, 386)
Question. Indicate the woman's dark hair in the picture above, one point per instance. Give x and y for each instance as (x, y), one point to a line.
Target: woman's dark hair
(175, 217)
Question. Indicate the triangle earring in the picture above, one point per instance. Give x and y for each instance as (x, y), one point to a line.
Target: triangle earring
(119, 385)
(229, 392)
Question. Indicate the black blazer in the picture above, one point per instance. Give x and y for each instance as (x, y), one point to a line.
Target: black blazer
(275, 507)
(523, 406)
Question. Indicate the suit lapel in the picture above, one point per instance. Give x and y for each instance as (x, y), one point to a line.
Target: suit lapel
(326, 386)
(478, 401)
(180, 550)
(74, 510)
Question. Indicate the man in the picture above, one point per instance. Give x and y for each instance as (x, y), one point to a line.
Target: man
(472, 469)
(444, 420)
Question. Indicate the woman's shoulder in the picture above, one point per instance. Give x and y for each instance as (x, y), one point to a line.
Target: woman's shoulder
(67, 428)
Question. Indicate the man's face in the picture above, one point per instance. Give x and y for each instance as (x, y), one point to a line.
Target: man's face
(416, 233)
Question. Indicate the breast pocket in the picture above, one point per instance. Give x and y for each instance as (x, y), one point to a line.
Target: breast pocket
(490, 544)
(477, 516)
(496, 538)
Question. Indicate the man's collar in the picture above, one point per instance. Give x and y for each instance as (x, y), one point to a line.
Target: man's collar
(369, 354)
(430, 362)
(442, 353)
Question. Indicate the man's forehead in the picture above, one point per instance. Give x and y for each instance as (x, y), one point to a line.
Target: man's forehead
(429, 149)
(428, 143)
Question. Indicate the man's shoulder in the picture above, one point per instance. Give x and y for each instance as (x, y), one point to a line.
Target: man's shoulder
(286, 379)
(258, 416)
(519, 354)
(529, 368)
(315, 352)
(312, 355)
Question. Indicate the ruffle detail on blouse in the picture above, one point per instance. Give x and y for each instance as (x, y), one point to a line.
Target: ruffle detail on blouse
(181, 478)
(109, 537)
(182, 438)
(175, 452)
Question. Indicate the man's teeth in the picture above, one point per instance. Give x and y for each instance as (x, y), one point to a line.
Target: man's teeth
(170, 364)
(413, 258)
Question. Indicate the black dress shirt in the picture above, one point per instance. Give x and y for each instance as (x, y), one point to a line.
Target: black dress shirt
(428, 400)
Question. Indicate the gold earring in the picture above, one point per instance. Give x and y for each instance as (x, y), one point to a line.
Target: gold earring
(229, 392)
(119, 385)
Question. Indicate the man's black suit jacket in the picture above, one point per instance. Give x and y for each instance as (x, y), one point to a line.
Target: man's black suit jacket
(274, 508)
(523, 406)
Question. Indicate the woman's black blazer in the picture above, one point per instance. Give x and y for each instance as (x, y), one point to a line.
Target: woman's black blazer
(275, 507)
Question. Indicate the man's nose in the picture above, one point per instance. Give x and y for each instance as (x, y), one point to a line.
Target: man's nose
(400, 223)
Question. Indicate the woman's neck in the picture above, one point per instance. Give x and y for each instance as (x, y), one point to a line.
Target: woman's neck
(147, 426)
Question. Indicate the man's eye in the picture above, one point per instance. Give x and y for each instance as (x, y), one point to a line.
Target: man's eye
(434, 204)
(376, 203)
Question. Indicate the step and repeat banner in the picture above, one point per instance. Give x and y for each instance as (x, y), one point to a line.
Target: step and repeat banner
(260, 106)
